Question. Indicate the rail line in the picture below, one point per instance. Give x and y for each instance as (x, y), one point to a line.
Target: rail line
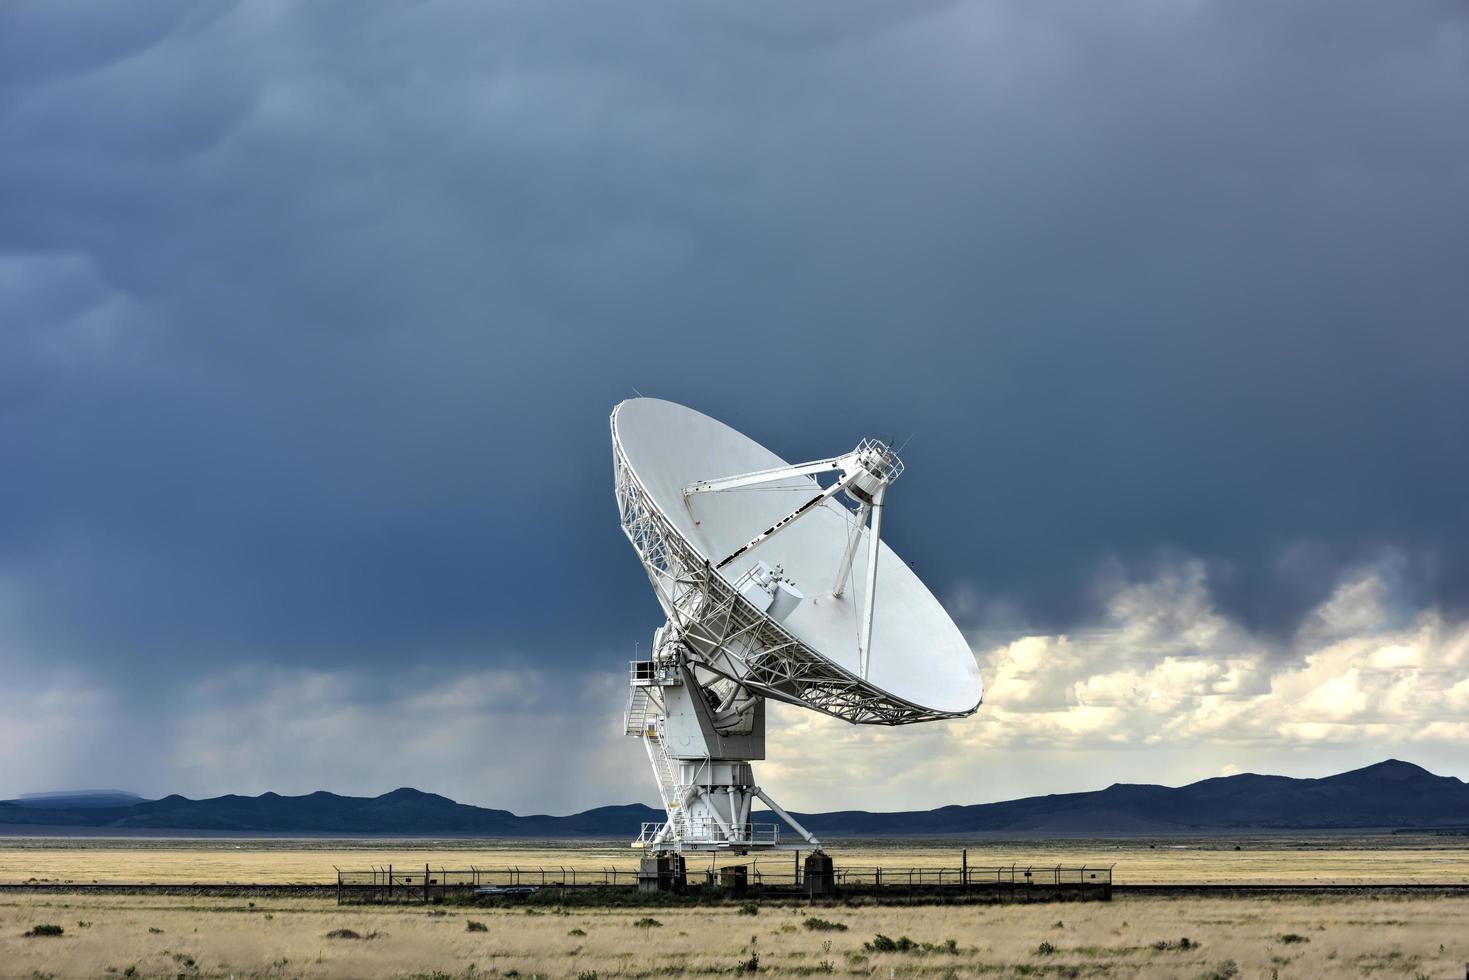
(1173, 889)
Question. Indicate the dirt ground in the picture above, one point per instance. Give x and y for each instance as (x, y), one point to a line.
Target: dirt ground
(1293, 937)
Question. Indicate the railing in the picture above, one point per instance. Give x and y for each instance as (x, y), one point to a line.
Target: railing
(764, 834)
(643, 673)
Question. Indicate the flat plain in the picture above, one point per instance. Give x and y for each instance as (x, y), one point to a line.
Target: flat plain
(1195, 938)
(1299, 859)
(1198, 938)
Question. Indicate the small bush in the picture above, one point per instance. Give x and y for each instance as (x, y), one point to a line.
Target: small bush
(45, 929)
(1227, 970)
(648, 922)
(577, 932)
(155, 930)
(749, 908)
(751, 965)
(1293, 937)
(822, 925)
(587, 975)
(473, 926)
(887, 944)
(1165, 945)
(1045, 949)
(344, 934)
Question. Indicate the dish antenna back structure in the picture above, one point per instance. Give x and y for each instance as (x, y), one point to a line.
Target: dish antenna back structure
(776, 585)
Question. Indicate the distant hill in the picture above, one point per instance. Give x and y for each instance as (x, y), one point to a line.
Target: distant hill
(1390, 794)
(77, 799)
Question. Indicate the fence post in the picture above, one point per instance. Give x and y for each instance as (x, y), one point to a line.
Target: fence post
(425, 882)
(390, 882)
(964, 869)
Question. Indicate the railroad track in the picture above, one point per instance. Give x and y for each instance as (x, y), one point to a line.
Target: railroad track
(1253, 888)
(1179, 889)
(153, 888)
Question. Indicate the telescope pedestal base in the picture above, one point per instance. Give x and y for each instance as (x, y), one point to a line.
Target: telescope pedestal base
(820, 877)
(663, 872)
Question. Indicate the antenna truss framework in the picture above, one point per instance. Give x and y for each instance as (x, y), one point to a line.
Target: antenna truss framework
(752, 649)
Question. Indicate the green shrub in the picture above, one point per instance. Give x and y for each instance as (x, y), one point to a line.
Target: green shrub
(887, 944)
(45, 929)
(751, 965)
(1165, 945)
(577, 932)
(749, 908)
(344, 934)
(822, 925)
(1044, 949)
(648, 922)
(1293, 937)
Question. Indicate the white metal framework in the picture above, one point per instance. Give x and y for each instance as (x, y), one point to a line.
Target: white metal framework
(729, 636)
(698, 703)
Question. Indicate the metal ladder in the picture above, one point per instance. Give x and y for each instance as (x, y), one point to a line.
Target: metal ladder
(669, 788)
(635, 719)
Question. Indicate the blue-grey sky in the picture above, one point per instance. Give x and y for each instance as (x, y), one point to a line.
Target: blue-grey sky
(311, 317)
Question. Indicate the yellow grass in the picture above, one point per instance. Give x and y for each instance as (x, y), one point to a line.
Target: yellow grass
(1396, 937)
(1260, 859)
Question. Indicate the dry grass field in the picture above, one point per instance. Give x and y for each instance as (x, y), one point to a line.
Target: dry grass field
(143, 936)
(1272, 859)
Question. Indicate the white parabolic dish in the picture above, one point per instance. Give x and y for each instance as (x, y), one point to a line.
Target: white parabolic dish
(919, 656)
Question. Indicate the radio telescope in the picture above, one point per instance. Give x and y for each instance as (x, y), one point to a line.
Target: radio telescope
(776, 585)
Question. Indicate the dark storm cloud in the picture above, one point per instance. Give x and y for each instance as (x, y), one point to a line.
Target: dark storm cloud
(312, 315)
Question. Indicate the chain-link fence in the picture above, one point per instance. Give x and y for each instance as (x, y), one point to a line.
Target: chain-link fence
(386, 883)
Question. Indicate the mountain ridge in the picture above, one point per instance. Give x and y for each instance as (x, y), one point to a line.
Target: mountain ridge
(1386, 795)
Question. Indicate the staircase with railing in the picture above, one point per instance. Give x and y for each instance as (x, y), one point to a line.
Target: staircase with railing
(635, 719)
(644, 719)
(665, 768)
